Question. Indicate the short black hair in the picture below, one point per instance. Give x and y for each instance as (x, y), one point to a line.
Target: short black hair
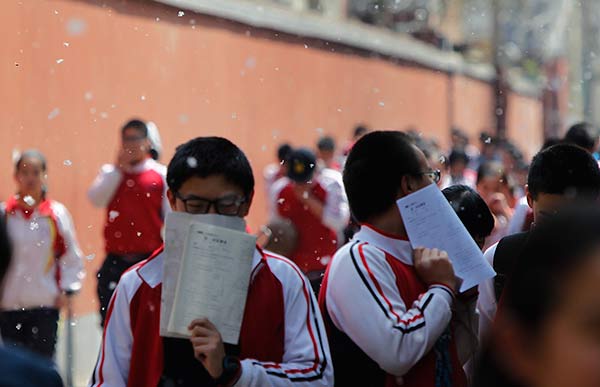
(564, 169)
(551, 141)
(5, 248)
(326, 143)
(490, 168)
(471, 209)
(32, 154)
(209, 156)
(374, 169)
(360, 130)
(582, 134)
(283, 151)
(457, 155)
(136, 124)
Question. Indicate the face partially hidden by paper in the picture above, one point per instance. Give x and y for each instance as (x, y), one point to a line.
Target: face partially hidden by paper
(212, 188)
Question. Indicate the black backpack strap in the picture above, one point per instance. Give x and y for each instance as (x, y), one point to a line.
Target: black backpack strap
(507, 252)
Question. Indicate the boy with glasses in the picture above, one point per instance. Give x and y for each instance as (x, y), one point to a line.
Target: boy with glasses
(282, 340)
(393, 315)
(133, 193)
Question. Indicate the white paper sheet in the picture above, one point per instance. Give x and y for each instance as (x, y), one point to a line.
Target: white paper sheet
(177, 225)
(431, 222)
(213, 280)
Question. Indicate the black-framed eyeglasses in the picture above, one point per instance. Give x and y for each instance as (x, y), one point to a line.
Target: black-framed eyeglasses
(434, 175)
(227, 205)
(129, 139)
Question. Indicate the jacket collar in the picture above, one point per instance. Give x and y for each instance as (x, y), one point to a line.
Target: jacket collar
(396, 246)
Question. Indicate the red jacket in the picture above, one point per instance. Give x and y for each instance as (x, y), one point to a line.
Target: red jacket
(282, 340)
(316, 242)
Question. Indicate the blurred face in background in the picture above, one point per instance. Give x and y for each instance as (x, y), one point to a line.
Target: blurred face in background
(135, 146)
(566, 350)
(30, 177)
(489, 186)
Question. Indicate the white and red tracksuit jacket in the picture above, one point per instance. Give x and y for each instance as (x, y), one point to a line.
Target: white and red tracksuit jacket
(282, 340)
(46, 255)
(136, 204)
(383, 322)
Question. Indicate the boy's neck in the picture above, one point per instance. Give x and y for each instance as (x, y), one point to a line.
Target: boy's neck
(390, 222)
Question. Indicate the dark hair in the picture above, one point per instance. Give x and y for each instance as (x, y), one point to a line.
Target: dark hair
(486, 138)
(490, 169)
(360, 130)
(326, 143)
(458, 155)
(582, 134)
(564, 169)
(374, 169)
(5, 248)
(209, 156)
(471, 209)
(302, 163)
(31, 154)
(283, 151)
(136, 124)
(552, 252)
(550, 141)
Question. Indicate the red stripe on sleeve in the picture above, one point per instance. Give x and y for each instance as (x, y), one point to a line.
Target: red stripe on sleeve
(108, 316)
(312, 336)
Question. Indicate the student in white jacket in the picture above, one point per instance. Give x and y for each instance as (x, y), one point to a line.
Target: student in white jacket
(47, 262)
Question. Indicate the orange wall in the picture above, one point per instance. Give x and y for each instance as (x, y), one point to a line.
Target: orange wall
(522, 115)
(73, 71)
(473, 106)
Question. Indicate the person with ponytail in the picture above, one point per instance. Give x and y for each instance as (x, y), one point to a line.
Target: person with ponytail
(47, 262)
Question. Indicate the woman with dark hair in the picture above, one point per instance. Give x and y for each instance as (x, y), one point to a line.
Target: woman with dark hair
(46, 260)
(547, 329)
(472, 211)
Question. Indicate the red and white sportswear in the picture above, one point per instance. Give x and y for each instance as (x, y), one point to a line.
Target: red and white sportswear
(46, 256)
(282, 339)
(383, 322)
(136, 204)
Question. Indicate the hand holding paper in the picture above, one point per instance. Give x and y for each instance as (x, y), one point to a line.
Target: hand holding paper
(431, 222)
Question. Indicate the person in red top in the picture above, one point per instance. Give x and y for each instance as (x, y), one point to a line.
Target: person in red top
(392, 313)
(313, 207)
(133, 193)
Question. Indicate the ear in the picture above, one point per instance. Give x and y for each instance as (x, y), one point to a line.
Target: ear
(529, 197)
(245, 209)
(172, 199)
(406, 186)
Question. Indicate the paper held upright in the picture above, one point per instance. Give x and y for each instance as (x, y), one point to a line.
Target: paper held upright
(431, 222)
(208, 277)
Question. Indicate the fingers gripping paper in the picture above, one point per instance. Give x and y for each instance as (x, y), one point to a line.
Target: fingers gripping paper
(431, 222)
(207, 266)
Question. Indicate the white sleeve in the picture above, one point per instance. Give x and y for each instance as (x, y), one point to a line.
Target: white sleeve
(336, 212)
(112, 367)
(394, 336)
(486, 304)
(105, 185)
(306, 359)
(71, 263)
(466, 329)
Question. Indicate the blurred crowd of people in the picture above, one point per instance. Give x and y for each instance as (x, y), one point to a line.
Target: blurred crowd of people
(356, 302)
